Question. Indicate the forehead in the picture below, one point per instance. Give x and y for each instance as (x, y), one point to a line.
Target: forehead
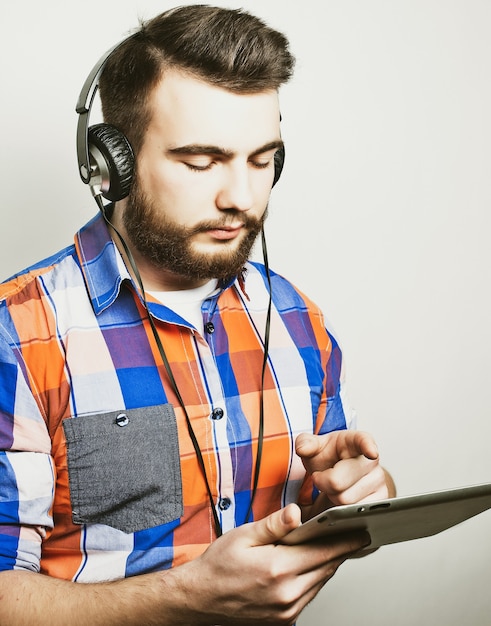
(186, 110)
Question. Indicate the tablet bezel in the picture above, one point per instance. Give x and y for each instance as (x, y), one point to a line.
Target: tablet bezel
(394, 520)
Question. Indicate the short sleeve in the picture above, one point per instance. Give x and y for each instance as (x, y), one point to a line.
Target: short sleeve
(26, 467)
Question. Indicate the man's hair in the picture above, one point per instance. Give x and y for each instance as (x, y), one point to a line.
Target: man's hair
(229, 48)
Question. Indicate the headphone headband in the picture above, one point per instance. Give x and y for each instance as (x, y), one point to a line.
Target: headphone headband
(84, 107)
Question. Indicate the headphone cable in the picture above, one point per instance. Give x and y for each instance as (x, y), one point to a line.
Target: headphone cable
(192, 435)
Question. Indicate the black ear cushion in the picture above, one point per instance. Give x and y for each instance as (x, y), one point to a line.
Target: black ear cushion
(119, 160)
(279, 159)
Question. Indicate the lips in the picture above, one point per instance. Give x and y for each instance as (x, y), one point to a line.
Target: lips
(225, 232)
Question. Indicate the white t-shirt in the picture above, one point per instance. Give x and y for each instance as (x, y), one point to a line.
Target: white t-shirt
(187, 302)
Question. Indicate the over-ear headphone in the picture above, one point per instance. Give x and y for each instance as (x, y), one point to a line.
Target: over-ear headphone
(279, 160)
(106, 160)
(105, 157)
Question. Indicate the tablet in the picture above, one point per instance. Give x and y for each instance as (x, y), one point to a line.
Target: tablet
(397, 519)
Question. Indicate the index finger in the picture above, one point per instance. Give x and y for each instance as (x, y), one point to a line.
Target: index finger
(327, 450)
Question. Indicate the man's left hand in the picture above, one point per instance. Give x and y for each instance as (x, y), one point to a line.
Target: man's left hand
(345, 468)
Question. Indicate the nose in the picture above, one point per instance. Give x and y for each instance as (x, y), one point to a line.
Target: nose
(236, 189)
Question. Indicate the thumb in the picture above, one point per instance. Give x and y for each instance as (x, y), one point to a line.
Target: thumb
(275, 526)
(307, 445)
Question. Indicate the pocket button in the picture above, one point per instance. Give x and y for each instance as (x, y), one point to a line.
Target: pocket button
(122, 420)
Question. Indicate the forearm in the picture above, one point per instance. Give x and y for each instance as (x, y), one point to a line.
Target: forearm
(246, 576)
(151, 599)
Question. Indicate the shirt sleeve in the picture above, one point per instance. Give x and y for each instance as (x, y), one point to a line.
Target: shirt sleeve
(336, 370)
(334, 411)
(27, 474)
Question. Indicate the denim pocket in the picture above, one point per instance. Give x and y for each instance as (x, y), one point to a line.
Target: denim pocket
(124, 468)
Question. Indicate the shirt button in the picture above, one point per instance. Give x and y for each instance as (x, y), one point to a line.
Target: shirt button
(210, 328)
(122, 420)
(224, 504)
(217, 414)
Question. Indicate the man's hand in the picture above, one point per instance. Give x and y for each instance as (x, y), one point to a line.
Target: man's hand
(248, 577)
(345, 468)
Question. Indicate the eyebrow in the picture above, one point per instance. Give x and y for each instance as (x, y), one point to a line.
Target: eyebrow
(199, 149)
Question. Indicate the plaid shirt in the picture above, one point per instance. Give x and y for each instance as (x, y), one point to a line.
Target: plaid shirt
(98, 475)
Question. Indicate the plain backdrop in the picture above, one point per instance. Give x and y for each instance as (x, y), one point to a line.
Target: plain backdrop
(382, 216)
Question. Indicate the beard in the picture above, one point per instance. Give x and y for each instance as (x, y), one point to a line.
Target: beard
(168, 245)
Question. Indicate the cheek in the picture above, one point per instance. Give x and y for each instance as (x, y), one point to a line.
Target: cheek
(171, 178)
(261, 187)
(179, 198)
(262, 199)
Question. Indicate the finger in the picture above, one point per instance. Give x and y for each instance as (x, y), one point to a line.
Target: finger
(347, 484)
(335, 548)
(344, 474)
(365, 444)
(313, 563)
(274, 527)
(324, 451)
(313, 581)
(353, 443)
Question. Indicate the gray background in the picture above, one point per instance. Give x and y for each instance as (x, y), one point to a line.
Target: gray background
(381, 216)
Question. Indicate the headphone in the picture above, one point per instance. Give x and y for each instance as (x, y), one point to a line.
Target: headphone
(106, 161)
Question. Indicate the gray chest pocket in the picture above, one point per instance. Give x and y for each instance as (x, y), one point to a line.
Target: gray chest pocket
(124, 468)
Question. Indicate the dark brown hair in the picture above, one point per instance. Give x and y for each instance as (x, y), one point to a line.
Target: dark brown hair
(229, 48)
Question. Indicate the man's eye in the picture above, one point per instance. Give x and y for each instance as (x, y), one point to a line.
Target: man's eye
(199, 166)
(261, 165)
(263, 161)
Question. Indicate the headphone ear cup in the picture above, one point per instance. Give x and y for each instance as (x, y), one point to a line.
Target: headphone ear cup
(279, 160)
(111, 153)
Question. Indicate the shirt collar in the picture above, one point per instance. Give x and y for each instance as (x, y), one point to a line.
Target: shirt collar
(98, 258)
(103, 268)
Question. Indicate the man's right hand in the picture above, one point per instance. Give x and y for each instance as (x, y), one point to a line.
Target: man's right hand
(248, 577)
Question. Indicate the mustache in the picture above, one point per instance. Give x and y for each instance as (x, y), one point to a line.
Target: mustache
(232, 219)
